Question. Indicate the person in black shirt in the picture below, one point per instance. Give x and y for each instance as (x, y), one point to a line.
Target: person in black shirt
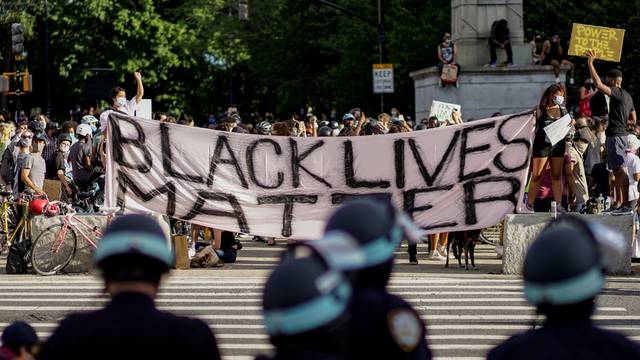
(553, 54)
(620, 111)
(57, 165)
(133, 256)
(500, 39)
(550, 109)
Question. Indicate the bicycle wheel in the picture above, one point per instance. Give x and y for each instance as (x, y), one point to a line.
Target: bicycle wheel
(51, 254)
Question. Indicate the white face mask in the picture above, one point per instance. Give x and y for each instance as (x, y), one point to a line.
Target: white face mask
(558, 99)
(63, 147)
(581, 146)
(121, 101)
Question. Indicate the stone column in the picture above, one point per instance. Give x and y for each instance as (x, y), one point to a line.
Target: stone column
(471, 28)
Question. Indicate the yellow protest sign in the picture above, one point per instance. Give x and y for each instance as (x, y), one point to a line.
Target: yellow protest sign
(607, 42)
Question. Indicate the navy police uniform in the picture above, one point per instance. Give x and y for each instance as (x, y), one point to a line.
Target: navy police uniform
(579, 340)
(130, 327)
(390, 323)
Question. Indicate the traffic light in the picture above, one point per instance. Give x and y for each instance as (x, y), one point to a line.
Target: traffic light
(17, 38)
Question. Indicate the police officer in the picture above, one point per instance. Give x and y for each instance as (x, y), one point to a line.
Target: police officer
(305, 310)
(383, 326)
(132, 256)
(563, 272)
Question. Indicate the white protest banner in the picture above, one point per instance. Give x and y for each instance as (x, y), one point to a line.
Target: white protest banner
(443, 110)
(558, 129)
(448, 179)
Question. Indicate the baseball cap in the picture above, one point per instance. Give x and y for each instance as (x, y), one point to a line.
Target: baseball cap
(347, 117)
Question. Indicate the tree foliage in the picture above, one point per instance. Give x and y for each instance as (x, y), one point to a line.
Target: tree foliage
(197, 56)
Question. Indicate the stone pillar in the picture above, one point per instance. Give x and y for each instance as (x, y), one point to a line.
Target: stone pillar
(471, 28)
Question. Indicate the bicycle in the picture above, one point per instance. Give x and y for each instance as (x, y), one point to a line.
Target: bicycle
(19, 256)
(56, 245)
(7, 218)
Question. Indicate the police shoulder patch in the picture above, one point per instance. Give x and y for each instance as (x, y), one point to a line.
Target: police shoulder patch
(405, 328)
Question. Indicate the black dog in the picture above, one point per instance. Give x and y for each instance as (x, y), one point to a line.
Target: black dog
(463, 241)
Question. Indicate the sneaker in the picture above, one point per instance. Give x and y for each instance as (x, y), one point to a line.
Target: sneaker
(561, 210)
(526, 209)
(437, 256)
(622, 210)
(511, 65)
(413, 260)
(611, 209)
(492, 64)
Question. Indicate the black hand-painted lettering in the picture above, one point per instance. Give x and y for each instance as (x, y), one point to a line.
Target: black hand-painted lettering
(223, 141)
(349, 172)
(464, 151)
(428, 178)
(167, 157)
(237, 212)
(398, 150)
(125, 183)
(411, 208)
(251, 166)
(523, 141)
(341, 198)
(296, 165)
(288, 201)
(470, 200)
(118, 142)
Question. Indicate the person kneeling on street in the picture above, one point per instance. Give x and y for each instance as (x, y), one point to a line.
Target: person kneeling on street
(133, 256)
(564, 270)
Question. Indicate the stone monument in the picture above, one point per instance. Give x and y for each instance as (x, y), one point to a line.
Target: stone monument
(484, 90)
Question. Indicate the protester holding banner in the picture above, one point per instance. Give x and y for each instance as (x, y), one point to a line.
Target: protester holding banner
(550, 109)
(620, 110)
(447, 54)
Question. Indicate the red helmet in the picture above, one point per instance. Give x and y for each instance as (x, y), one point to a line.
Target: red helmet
(36, 207)
(52, 209)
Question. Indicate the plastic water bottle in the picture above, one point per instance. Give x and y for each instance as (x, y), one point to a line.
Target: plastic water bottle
(600, 204)
(554, 209)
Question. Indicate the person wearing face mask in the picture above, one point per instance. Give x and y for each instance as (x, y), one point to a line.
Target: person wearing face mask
(31, 172)
(553, 54)
(58, 166)
(80, 156)
(447, 54)
(119, 102)
(550, 109)
(621, 110)
(576, 151)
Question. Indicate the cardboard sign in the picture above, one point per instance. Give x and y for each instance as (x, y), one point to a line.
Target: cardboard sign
(383, 79)
(454, 178)
(443, 110)
(449, 73)
(607, 42)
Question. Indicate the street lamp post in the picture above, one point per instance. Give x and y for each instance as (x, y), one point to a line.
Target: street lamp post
(382, 51)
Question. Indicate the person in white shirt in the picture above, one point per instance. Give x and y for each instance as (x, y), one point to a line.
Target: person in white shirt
(120, 104)
(632, 163)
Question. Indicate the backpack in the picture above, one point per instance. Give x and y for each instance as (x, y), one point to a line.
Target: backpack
(16, 259)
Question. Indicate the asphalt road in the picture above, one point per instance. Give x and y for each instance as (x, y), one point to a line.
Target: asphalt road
(467, 312)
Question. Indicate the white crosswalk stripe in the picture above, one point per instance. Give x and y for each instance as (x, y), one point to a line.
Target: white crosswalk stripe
(467, 314)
